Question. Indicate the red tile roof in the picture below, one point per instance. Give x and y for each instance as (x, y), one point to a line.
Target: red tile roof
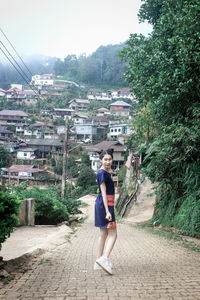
(105, 145)
(19, 113)
(23, 168)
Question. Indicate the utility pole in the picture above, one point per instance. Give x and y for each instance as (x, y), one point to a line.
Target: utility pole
(65, 152)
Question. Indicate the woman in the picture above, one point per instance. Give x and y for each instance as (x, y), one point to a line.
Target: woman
(104, 213)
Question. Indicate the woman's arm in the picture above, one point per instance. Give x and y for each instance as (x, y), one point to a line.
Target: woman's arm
(105, 202)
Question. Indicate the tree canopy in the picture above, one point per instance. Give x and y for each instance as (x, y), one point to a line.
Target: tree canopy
(103, 67)
(5, 157)
(163, 70)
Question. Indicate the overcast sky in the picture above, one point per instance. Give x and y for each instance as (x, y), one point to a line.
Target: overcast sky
(62, 27)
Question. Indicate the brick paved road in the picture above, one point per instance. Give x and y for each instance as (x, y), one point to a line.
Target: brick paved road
(145, 267)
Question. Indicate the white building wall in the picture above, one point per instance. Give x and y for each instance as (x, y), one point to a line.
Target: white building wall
(24, 154)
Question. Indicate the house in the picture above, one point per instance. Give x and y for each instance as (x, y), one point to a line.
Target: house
(95, 94)
(45, 147)
(91, 128)
(11, 94)
(13, 117)
(85, 131)
(21, 171)
(62, 112)
(16, 86)
(79, 119)
(60, 129)
(102, 111)
(43, 80)
(123, 93)
(45, 112)
(120, 108)
(4, 132)
(79, 104)
(27, 153)
(12, 147)
(2, 92)
(100, 120)
(39, 129)
(119, 130)
(30, 97)
(113, 94)
(118, 154)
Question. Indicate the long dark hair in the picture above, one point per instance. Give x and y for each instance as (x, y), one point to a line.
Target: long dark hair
(102, 153)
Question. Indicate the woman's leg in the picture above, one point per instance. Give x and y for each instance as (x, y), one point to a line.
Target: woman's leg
(101, 241)
(111, 239)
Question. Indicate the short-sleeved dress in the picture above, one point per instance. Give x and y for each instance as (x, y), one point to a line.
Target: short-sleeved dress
(100, 213)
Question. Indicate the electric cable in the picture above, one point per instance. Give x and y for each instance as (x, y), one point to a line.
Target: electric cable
(37, 94)
(16, 52)
(15, 61)
(22, 71)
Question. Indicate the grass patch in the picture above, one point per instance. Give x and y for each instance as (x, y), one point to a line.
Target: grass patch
(44, 261)
(169, 234)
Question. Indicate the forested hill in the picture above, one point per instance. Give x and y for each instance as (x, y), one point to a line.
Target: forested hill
(102, 68)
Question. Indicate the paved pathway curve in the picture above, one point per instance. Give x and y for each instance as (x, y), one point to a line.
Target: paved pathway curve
(146, 266)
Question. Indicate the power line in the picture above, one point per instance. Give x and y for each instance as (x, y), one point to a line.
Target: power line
(14, 65)
(14, 60)
(18, 71)
(16, 52)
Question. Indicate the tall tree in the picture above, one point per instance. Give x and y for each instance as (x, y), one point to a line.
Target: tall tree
(164, 70)
(5, 157)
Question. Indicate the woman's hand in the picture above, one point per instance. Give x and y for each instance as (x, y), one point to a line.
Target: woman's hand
(108, 216)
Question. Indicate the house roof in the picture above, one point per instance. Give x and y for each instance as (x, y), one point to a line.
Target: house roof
(26, 149)
(18, 113)
(98, 119)
(27, 92)
(1, 90)
(63, 109)
(125, 91)
(102, 109)
(120, 103)
(80, 116)
(105, 145)
(42, 124)
(3, 129)
(81, 101)
(23, 168)
(45, 142)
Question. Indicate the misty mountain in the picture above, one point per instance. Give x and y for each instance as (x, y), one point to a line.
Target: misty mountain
(102, 68)
(36, 64)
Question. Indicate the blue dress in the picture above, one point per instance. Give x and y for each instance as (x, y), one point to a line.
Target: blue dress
(100, 213)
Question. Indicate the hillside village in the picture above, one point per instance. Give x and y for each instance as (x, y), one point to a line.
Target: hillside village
(35, 136)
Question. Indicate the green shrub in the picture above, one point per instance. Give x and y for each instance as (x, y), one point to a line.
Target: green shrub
(72, 205)
(86, 178)
(49, 208)
(9, 208)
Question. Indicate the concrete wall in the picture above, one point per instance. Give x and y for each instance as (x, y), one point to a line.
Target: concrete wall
(27, 213)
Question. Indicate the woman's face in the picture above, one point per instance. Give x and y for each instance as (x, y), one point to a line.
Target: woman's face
(106, 161)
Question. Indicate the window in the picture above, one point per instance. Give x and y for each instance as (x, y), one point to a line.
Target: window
(25, 154)
(111, 130)
(119, 129)
(115, 130)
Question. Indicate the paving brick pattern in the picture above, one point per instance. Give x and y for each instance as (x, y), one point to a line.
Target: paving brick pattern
(145, 267)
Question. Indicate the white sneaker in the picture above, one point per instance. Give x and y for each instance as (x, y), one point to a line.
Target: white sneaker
(105, 264)
(96, 266)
